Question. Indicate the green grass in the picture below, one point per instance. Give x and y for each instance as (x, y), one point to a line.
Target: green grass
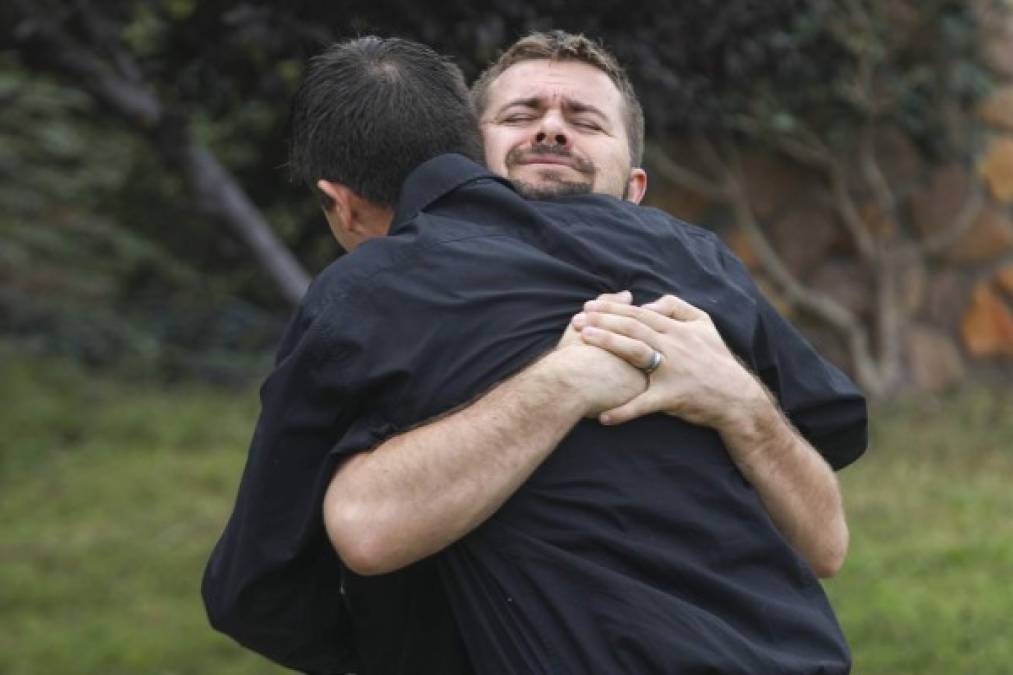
(112, 493)
(111, 496)
(928, 585)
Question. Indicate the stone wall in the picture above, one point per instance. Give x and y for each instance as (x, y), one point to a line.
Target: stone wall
(953, 303)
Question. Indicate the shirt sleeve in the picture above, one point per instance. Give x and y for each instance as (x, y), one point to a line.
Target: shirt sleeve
(273, 582)
(820, 400)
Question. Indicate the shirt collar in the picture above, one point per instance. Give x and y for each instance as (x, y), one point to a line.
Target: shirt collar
(433, 179)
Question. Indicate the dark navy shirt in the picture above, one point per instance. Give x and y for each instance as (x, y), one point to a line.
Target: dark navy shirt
(635, 549)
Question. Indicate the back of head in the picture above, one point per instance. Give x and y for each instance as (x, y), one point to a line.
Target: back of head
(370, 110)
(559, 45)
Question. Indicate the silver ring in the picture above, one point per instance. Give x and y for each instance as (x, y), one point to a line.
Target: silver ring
(657, 358)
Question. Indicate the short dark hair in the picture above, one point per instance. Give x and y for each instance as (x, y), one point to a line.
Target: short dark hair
(371, 109)
(559, 45)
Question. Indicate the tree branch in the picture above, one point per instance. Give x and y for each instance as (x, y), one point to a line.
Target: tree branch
(64, 55)
(710, 155)
(102, 34)
(730, 188)
(813, 153)
(818, 304)
(217, 190)
(220, 193)
(671, 171)
(969, 211)
(806, 153)
(796, 293)
(807, 149)
(848, 211)
(873, 173)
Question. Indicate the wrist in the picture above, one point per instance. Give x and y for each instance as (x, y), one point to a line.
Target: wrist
(752, 427)
(556, 381)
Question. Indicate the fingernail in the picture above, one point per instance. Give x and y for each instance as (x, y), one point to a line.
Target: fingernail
(579, 320)
(605, 418)
(591, 331)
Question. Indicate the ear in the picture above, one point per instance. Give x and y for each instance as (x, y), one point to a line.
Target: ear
(636, 185)
(338, 194)
(352, 218)
(339, 213)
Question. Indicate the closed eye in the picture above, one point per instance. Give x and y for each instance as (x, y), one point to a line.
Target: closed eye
(517, 118)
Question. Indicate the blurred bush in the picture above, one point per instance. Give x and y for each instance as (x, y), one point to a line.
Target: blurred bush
(107, 255)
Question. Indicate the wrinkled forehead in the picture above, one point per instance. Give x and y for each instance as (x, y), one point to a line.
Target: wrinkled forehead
(555, 83)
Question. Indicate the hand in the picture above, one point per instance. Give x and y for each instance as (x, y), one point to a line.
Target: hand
(700, 380)
(604, 380)
(571, 336)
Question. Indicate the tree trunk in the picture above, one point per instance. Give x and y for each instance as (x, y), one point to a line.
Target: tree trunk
(218, 191)
(109, 74)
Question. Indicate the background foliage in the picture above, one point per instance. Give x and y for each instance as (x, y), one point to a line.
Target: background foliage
(98, 218)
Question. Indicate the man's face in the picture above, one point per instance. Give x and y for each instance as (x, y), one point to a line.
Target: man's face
(556, 128)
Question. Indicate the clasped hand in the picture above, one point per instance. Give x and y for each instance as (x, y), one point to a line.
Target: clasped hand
(700, 380)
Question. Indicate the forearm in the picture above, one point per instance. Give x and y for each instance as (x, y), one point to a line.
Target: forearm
(702, 382)
(422, 490)
(796, 485)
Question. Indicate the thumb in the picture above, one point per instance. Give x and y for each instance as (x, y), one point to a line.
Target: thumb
(675, 308)
(641, 405)
(622, 297)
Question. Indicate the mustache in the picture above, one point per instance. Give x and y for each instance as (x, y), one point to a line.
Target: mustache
(519, 156)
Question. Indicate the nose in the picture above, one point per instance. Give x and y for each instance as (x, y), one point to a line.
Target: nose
(551, 132)
(547, 138)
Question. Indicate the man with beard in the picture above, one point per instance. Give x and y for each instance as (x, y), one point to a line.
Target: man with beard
(642, 546)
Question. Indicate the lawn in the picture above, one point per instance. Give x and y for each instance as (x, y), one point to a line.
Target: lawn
(111, 496)
(112, 493)
(928, 585)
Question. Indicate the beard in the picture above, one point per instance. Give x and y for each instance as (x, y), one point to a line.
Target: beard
(558, 188)
(552, 184)
(553, 188)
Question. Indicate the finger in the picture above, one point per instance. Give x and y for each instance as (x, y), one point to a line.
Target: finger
(644, 404)
(653, 320)
(638, 354)
(623, 297)
(624, 325)
(570, 336)
(676, 308)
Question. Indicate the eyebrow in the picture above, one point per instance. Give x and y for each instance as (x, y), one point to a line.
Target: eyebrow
(530, 102)
(578, 107)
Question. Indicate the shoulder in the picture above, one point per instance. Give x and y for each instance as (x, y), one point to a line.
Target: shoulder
(708, 248)
(704, 245)
(696, 237)
(332, 310)
(335, 284)
(349, 278)
(654, 219)
(361, 282)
